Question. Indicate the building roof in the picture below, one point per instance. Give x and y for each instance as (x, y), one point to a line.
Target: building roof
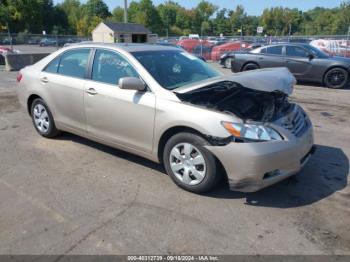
(127, 27)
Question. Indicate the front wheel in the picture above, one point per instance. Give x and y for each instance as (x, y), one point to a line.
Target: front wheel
(42, 119)
(336, 78)
(250, 66)
(189, 164)
(227, 62)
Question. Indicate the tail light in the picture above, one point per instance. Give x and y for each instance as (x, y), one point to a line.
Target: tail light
(19, 77)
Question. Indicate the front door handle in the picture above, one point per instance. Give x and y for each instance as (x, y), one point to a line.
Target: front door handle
(44, 80)
(91, 91)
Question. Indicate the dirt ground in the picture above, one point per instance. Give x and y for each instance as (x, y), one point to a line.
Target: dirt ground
(73, 196)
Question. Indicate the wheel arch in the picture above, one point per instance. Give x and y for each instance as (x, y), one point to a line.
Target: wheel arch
(30, 100)
(179, 129)
(249, 62)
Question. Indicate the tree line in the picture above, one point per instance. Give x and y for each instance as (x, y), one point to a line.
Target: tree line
(170, 18)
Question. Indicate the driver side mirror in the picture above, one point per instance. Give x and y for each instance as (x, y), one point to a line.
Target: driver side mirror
(132, 83)
(310, 56)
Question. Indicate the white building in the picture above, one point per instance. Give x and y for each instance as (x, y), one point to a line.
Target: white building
(108, 32)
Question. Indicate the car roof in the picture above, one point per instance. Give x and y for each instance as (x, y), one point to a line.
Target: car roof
(288, 43)
(128, 47)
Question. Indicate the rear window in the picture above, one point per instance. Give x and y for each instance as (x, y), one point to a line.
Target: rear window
(52, 67)
(73, 63)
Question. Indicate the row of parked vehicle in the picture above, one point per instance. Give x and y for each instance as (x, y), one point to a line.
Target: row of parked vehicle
(41, 41)
(212, 49)
(304, 61)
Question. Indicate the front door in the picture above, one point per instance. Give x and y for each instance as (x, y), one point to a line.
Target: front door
(124, 117)
(298, 61)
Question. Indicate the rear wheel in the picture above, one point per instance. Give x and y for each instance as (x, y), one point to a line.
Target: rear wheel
(42, 119)
(189, 164)
(336, 78)
(227, 62)
(250, 66)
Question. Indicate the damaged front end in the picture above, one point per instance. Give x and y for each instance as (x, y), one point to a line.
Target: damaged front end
(256, 99)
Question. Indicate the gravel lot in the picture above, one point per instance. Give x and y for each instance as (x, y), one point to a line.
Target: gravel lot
(73, 196)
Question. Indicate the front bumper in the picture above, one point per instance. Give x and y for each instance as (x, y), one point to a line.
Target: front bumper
(253, 166)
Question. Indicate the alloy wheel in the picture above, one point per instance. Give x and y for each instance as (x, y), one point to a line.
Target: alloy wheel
(336, 77)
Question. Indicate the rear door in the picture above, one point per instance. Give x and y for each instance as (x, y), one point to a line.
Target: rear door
(298, 61)
(271, 56)
(119, 116)
(63, 82)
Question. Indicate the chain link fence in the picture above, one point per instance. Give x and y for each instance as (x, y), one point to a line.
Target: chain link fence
(207, 47)
(211, 47)
(40, 40)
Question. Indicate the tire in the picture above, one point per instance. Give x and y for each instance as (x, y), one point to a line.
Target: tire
(227, 63)
(200, 177)
(42, 119)
(250, 66)
(336, 78)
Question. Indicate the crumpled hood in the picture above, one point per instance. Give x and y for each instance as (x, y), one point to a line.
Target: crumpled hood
(268, 80)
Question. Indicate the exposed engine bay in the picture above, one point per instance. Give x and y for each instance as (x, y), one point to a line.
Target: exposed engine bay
(232, 98)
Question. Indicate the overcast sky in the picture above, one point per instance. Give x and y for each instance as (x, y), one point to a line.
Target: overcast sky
(252, 7)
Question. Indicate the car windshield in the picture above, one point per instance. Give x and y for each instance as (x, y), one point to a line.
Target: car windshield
(173, 69)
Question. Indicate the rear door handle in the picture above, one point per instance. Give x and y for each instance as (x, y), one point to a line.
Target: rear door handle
(91, 91)
(44, 80)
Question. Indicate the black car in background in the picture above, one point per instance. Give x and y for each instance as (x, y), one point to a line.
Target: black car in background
(306, 63)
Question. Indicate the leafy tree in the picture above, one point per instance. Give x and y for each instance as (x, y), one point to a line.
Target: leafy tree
(342, 22)
(72, 11)
(237, 18)
(221, 22)
(168, 14)
(73, 17)
(117, 15)
(144, 12)
(203, 12)
(97, 8)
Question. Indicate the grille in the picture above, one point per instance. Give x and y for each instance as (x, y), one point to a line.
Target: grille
(297, 123)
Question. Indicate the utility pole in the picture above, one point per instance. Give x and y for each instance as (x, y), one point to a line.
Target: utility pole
(125, 11)
(240, 47)
(347, 41)
(9, 34)
(290, 30)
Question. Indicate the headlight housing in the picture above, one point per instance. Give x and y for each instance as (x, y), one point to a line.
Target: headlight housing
(223, 55)
(251, 132)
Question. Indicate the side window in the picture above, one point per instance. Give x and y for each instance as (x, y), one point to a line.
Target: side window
(109, 67)
(296, 51)
(52, 67)
(73, 63)
(274, 50)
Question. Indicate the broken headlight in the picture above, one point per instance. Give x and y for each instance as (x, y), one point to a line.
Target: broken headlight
(252, 131)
